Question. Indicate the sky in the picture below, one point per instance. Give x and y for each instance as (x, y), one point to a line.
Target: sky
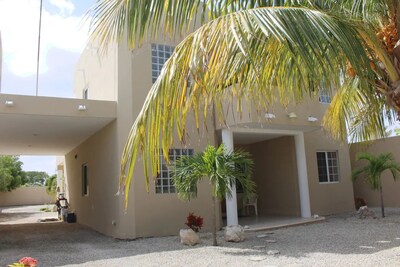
(64, 35)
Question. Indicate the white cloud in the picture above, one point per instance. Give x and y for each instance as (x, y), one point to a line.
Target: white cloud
(19, 29)
(65, 6)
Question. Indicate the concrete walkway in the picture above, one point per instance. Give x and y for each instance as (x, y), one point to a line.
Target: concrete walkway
(25, 214)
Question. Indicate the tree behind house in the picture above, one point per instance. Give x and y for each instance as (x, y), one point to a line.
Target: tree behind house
(220, 168)
(373, 171)
(11, 174)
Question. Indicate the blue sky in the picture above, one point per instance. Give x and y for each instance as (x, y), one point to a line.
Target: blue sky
(64, 35)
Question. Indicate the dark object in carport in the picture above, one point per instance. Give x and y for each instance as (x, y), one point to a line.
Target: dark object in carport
(71, 217)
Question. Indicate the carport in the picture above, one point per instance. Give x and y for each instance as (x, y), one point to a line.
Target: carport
(33, 125)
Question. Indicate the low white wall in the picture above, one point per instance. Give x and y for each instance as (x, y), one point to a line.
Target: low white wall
(26, 196)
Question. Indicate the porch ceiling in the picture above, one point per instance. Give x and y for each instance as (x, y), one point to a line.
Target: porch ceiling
(49, 126)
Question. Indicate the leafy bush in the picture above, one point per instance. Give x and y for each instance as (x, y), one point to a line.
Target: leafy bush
(359, 202)
(194, 222)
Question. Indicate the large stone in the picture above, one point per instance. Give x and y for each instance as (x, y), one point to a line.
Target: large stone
(273, 252)
(234, 233)
(189, 237)
(364, 212)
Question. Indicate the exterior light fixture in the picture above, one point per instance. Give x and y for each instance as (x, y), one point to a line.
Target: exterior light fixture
(292, 115)
(270, 116)
(82, 107)
(312, 119)
(9, 103)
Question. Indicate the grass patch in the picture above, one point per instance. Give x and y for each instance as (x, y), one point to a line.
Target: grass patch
(46, 209)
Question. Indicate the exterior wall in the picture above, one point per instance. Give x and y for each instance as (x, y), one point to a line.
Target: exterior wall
(253, 117)
(391, 189)
(104, 211)
(275, 174)
(26, 196)
(99, 208)
(163, 214)
(97, 73)
(328, 198)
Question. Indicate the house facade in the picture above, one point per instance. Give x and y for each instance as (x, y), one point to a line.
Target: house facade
(299, 170)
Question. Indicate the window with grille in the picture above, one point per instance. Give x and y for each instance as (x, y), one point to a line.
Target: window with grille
(164, 184)
(328, 170)
(159, 55)
(324, 96)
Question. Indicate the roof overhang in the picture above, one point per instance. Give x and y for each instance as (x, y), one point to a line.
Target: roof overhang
(32, 125)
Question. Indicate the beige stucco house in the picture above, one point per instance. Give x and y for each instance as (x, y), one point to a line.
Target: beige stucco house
(299, 170)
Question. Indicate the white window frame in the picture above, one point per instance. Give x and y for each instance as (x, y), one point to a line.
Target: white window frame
(329, 175)
(163, 183)
(160, 53)
(85, 93)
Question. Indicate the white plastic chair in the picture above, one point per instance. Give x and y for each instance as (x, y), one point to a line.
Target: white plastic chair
(251, 202)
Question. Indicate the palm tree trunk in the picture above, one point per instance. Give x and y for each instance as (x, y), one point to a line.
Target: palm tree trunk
(214, 223)
(382, 207)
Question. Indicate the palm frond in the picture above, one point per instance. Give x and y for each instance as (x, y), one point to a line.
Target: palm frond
(221, 168)
(261, 53)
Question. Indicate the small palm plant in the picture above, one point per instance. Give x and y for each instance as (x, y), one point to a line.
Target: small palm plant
(374, 169)
(221, 168)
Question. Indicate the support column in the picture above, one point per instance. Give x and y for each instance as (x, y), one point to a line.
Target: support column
(302, 175)
(231, 203)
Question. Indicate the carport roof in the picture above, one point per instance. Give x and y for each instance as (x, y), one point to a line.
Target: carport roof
(32, 125)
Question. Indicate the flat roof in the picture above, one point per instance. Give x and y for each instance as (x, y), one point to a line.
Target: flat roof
(35, 125)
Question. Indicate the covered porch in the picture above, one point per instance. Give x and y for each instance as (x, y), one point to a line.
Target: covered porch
(280, 173)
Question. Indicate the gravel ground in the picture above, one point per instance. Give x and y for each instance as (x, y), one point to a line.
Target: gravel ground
(342, 240)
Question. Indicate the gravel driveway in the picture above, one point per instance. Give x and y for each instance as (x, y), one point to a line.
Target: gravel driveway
(342, 240)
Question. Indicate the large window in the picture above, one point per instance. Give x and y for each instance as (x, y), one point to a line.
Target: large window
(159, 55)
(164, 183)
(328, 170)
(85, 180)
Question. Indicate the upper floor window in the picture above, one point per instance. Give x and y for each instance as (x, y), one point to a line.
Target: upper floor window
(164, 182)
(328, 170)
(324, 96)
(159, 55)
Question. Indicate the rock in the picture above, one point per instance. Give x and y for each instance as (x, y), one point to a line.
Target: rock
(262, 236)
(364, 212)
(246, 227)
(316, 216)
(273, 252)
(189, 237)
(270, 241)
(234, 233)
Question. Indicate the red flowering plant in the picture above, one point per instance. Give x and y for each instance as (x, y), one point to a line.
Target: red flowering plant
(194, 222)
(25, 262)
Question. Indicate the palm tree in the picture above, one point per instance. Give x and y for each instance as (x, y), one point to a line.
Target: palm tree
(255, 51)
(374, 169)
(221, 168)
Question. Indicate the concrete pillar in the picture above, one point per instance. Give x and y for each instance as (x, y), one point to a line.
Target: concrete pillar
(302, 176)
(231, 203)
